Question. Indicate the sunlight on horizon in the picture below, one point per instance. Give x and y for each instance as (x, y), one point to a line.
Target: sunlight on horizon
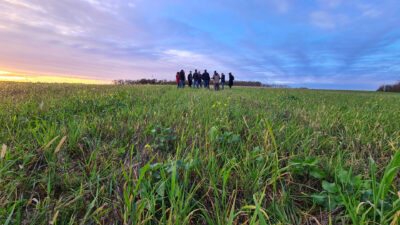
(4, 72)
(46, 79)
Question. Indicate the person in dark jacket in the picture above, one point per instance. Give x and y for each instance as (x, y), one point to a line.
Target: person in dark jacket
(190, 79)
(222, 80)
(177, 79)
(206, 78)
(231, 79)
(196, 77)
(182, 79)
(200, 79)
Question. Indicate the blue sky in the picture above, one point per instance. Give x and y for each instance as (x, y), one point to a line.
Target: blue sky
(330, 44)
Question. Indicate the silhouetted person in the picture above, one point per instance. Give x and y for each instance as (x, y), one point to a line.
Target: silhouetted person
(200, 79)
(190, 79)
(206, 78)
(222, 80)
(177, 79)
(182, 79)
(231, 79)
(216, 81)
(196, 78)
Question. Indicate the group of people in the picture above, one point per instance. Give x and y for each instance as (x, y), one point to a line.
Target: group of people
(199, 79)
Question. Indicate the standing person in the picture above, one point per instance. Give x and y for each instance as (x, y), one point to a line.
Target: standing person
(222, 80)
(177, 79)
(200, 79)
(231, 79)
(196, 78)
(182, 79)
(206, 78)
(190, 79)
(216, 81)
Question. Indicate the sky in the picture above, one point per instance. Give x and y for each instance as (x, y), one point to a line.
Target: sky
(326, 44)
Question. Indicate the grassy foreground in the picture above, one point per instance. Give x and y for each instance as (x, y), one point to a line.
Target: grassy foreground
(86, 154)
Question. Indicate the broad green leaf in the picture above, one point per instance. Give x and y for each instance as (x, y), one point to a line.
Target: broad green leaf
(317, 173)
(330, 187)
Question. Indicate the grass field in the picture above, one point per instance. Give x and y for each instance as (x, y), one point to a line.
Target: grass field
(86, 154)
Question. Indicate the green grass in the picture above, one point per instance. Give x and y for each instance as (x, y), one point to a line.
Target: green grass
(86, 154)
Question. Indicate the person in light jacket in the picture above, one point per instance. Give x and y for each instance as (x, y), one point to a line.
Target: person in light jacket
(216, 80)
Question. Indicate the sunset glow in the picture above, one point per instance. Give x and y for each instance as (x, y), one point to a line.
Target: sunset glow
(46, 79)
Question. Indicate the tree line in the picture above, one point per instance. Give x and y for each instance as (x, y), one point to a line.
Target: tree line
(169, 82)
(390, 88)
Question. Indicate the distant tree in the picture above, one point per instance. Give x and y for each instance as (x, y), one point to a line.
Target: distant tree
(390, 88)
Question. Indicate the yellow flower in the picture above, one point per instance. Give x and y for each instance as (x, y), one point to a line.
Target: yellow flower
(155, 113)
(147, 146)
(225, 105)
(213, 106)
(367, 102)
(219, 103)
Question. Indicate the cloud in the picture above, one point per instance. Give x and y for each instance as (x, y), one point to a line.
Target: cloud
(330, 3)
(324, 43)
(24, 4)
(326, 20)
(282, 5)
(369, 10)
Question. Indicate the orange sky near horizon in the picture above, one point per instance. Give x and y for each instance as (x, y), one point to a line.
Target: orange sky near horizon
(18, 77)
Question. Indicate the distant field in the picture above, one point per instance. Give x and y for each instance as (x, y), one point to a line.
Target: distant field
(92, 154)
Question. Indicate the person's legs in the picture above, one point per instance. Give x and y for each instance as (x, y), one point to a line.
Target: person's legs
(223, 84)
(217, 87)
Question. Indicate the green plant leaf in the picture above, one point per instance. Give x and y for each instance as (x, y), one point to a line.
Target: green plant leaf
(311, 161)
(331, 188)
(317, 173)
(320, 198)
(161, 189)
(343, 176)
